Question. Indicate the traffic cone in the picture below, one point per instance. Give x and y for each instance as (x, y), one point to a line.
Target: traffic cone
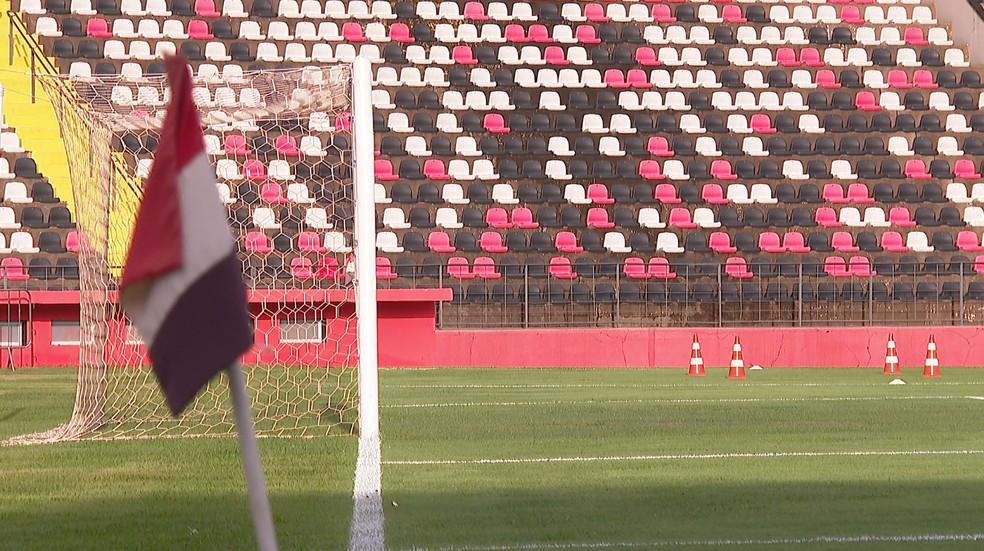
(891, 358)
(737, 370)
(931, 368)
(696, 361)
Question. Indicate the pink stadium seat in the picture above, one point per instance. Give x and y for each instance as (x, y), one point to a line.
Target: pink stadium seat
(965, 168)
(646, 56)
(585, 34)
(827, 79)
(834, 193)
(615, 79)
(328, 268)
(539, 34)
(463, 55)
(866, 101)
(516, 34)
(893, 242)
(496, 217)
(72, 242)
(435, 170)
(901, 217)
(786, 57)
(440, 242)
(383, 170)
(491, 242)
(598, 194)
(713, 194)
(400, 32)
(286, 145)
(235, 144)
(635, 268)
(662, 14)
(860, 266)
(852, 16)
(762, 124)
(198, 30)
(13, 269)
(598, 218)
(658, 146)
(732, 14)
(916, 169)
(769, 242)
(97, 27)
(827, 217)
(736, 267)
(794, 242)
(898, 78)
(667, 194)
(566, 242)
(680, 218)
(924, 79)
(835, 266)
(722, 170)
(343, 122)
(969, 241)
(495, 123)
(485, 268)
(659, 268)
(555, 55)
(979, 264)
(914, 36)
(720, 242)
(309, 242)
(271, 192)
(811, 58)
(522, 218)
(843, 242)
(560, 268)
(301, 268)
(458, 268)
(257, 242)
(254, 169)
(206, 8)
(475, 11)
(352, 32)
(595, 13)
(650, 170)
(858, 193)
(638, 79)
(384, 269)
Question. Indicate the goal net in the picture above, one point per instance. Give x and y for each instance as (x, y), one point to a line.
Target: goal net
(282, 143)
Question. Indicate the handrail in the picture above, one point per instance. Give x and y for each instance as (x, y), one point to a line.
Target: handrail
(978, 6)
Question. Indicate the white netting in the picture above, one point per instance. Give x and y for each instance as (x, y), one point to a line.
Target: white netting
(281, 144)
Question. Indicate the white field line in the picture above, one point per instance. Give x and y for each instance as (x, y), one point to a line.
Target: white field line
(366, 531)
(682, 457)
(682, 401)
(667, 385)
(864, 539)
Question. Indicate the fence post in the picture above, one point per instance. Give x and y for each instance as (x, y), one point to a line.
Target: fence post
(799, 295)
(526, 296)
(720, 301)
(962, 318)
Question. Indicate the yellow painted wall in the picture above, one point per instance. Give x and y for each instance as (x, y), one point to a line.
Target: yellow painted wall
(35, 122)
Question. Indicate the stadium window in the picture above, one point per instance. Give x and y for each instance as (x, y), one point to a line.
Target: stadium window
(66, 333)
(302, 331)
(12, 333)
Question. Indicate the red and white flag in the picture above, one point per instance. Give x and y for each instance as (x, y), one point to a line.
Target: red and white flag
(182, 284)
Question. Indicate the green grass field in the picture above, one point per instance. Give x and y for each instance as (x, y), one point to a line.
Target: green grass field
(517, 459)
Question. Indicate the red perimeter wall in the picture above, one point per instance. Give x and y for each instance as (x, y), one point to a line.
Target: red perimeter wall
(408, 338)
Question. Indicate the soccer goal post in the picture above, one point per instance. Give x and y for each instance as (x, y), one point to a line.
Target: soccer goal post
(293, 153)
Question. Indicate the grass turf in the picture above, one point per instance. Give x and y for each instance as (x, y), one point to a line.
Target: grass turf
(165, 494)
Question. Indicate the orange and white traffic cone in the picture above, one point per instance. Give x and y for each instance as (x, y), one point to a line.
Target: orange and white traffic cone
(737, 370)
(931, 368)
(696, 361)
(891, 358)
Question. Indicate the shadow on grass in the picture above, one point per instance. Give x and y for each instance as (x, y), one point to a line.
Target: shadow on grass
(631, 510)
(303, 521)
